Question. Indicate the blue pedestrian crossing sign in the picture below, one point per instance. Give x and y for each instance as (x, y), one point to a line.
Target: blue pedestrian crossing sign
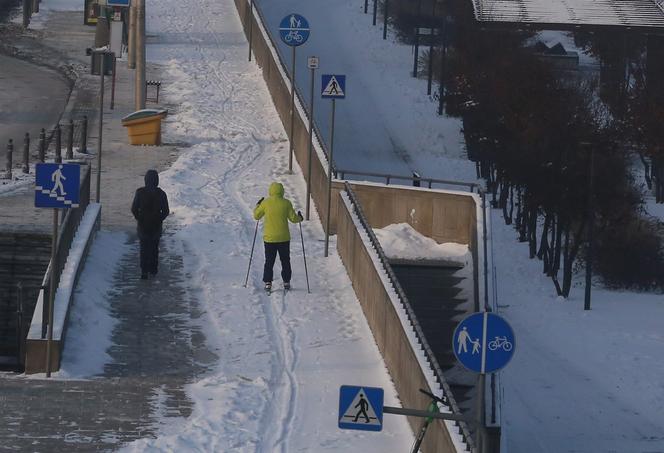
(57, 185)
(294, 30)
(361, 408)
(484, 342)
(333, 86)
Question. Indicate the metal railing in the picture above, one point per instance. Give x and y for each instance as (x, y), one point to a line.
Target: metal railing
(415, 180)
(428, 352)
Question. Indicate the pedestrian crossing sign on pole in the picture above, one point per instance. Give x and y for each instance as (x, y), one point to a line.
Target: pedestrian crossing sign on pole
(334, 86)
(57, 185)
(361, 408)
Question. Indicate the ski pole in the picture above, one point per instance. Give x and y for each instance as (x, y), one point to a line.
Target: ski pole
(306, 273)
(246, 280)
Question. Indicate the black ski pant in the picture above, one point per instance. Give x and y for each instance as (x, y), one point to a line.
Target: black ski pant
(149, 254)
(271, 249)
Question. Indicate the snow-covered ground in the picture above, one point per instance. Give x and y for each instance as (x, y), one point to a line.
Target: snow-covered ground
(579, 381)
(402, 241)
(281, 358)
(386, 123)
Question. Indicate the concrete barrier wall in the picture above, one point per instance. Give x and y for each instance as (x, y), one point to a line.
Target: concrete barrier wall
(388, 331)
(441, 215)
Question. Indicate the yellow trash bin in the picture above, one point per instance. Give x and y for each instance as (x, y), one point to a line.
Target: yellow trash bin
(144, 126)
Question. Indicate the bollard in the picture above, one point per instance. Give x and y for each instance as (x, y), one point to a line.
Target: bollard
(10, 151)
(26, 13)
(42, 145)
(58, 144)
(26, 153)
(70, 142)
(84, 136)
(417, 179)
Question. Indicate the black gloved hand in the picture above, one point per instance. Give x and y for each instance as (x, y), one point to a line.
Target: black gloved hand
(299, 214)
(260, 201)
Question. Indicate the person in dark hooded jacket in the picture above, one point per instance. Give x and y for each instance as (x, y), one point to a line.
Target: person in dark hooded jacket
(150, 208)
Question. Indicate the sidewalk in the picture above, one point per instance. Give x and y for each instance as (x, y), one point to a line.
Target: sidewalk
(156, 347)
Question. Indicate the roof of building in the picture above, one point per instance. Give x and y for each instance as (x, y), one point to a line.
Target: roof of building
(621, 13)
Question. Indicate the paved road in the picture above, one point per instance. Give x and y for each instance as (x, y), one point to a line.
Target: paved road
(31, 97)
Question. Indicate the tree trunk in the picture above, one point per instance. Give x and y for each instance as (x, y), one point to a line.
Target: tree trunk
(557, 251)
(532, 231)
(543, 252)
(567, 267)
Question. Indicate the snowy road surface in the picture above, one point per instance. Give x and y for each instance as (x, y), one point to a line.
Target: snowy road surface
(386, 123)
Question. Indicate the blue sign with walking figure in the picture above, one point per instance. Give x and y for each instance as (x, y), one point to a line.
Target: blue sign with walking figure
(57, 185)
(294, 30)
(483, 342)
(361, 408)
(333, 86)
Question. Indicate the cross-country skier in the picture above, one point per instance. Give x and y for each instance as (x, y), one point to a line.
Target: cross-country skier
(277, 211)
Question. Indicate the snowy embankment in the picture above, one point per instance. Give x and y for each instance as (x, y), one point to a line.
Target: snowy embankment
(580, 381)
(387, 122)
(281, 358)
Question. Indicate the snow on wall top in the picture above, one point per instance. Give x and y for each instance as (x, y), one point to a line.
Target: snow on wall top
(626, 13)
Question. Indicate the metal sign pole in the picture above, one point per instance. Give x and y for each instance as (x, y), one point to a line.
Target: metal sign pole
(51, 293)
(311, 134)
(113, 84)
(292, 113)
(416, 55)
(590, 214)
(329, 182)
(101, 123)
(385, 15)
(251, 25)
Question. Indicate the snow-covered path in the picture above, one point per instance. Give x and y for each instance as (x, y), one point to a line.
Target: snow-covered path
(281, 358)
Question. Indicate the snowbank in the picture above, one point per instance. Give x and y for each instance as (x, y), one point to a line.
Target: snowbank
(402, 241)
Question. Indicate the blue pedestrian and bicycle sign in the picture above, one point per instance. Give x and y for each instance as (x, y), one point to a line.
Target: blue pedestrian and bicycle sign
(483, 342)
(57, 185)
(333, 86)
(361, 408)
(294, 30)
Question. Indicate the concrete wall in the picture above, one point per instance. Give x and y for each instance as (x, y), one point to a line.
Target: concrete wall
(443, 216)
(392, 341)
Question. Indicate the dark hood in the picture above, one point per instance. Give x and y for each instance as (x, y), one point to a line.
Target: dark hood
(152, 179)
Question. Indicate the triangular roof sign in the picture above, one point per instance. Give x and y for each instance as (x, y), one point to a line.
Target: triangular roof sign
(360, 413)
(333, 88)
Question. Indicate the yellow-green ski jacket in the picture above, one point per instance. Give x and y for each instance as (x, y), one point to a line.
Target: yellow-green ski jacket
(277, 211)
